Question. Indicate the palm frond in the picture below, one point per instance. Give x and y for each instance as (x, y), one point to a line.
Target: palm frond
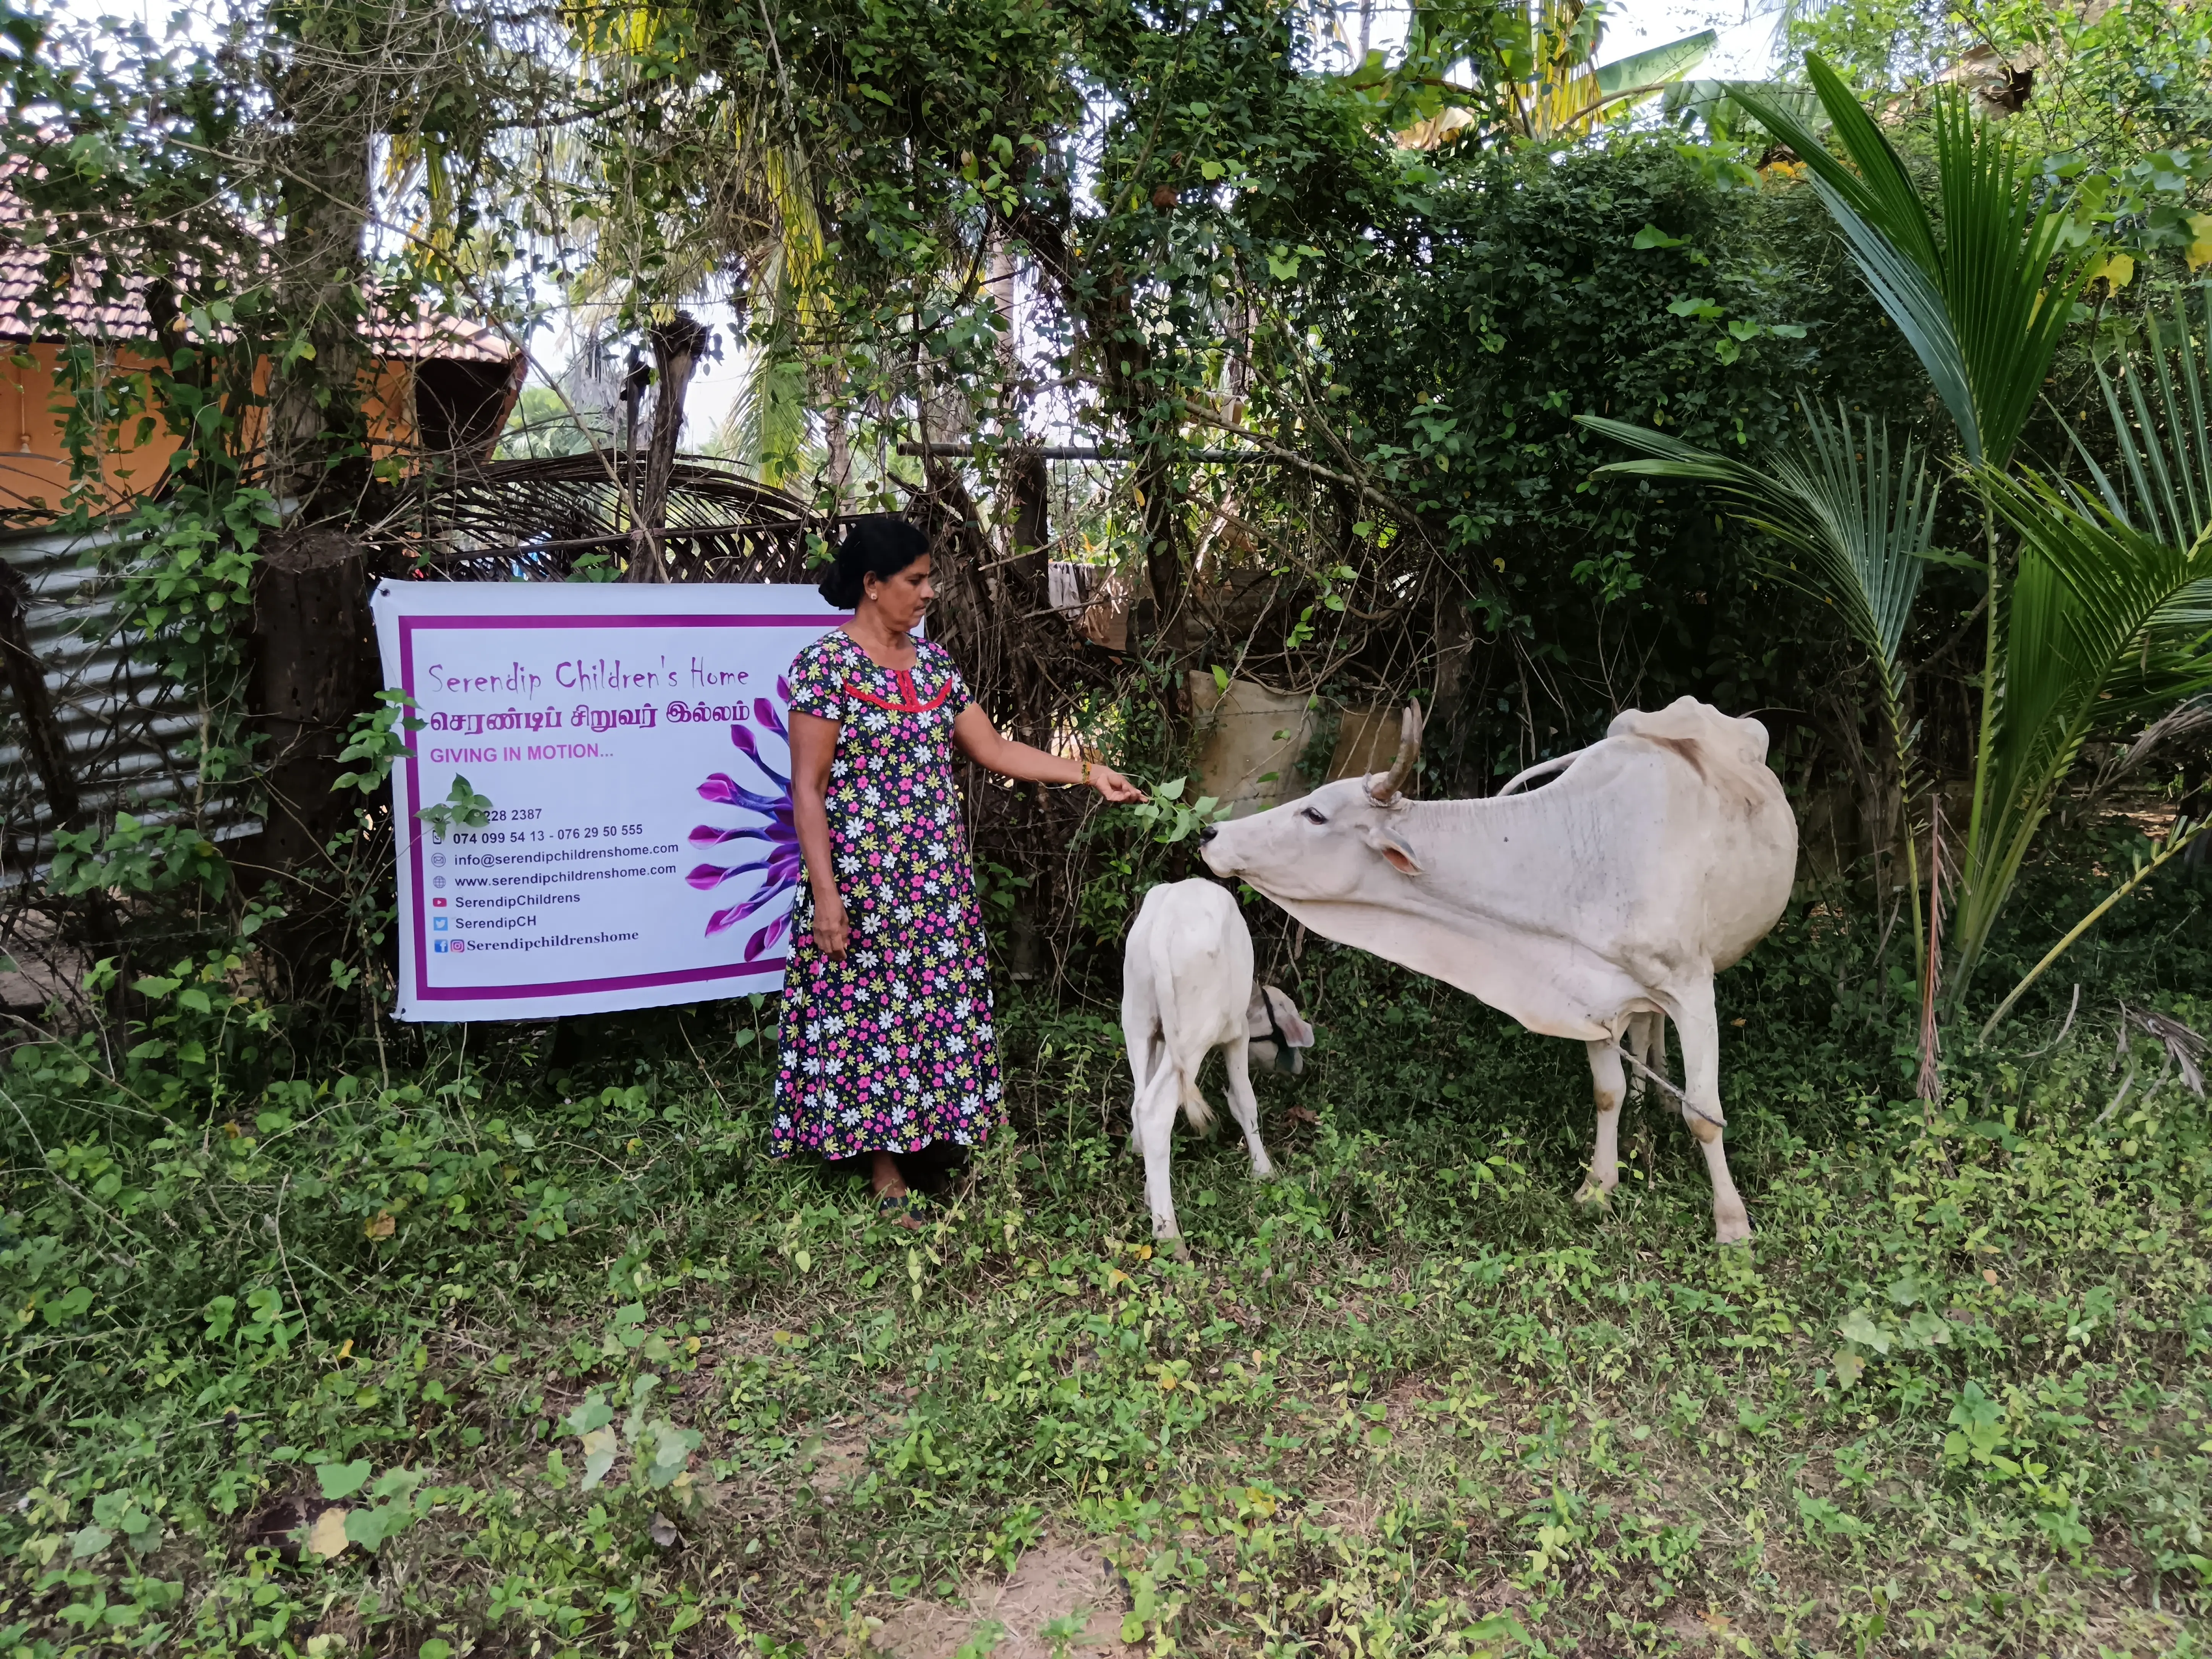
(2158, 405)
(1860, 515)
(1983, 305)
(1879, 192)
(2088, 586)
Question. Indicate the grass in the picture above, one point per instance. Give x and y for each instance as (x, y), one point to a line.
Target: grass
(557, 1362)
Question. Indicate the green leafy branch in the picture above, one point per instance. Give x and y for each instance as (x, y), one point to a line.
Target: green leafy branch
(462, 809)
(377, 738)
(1168, 818)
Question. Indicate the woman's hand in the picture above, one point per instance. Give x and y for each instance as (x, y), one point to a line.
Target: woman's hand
(974, 736)
(1112, 785)
(831, 934)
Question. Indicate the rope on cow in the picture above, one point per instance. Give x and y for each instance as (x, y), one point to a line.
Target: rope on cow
(1662, 1083)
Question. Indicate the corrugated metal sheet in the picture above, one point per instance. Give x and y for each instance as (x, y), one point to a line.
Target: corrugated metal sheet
(129, 731)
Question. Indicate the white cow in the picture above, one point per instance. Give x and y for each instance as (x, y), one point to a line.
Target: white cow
(1585, 909)
(1186, 989)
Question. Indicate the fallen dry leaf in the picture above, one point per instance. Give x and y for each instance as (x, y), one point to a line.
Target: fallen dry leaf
(327, 1537)
(380, 1224)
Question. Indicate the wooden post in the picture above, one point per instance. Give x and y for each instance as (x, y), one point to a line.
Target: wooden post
(314, 668)
(27, 678)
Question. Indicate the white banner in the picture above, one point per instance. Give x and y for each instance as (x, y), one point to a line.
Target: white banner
(631, 741)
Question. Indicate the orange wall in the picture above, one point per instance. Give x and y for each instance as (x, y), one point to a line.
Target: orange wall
(35, 462)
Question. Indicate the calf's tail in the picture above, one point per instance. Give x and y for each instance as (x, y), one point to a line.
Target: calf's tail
(1173, 1051)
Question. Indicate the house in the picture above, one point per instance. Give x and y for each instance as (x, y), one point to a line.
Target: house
(111, 734)
(433, 386)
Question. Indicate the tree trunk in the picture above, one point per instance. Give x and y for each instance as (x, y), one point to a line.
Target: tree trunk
(314, 407)
(1028, 522)
(837, 439)
(1030, 525)
(678, 346)
(314, 668)
(1162, 550)
(1125, 376)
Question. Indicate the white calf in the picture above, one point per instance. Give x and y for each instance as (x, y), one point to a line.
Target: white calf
(1186, 988)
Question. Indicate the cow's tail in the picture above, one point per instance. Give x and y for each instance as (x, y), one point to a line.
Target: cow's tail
(1195, 1111)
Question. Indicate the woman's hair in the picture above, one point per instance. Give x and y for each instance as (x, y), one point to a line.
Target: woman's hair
(879, 545)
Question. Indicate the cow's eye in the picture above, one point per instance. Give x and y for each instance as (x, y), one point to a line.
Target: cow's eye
(1310, 815)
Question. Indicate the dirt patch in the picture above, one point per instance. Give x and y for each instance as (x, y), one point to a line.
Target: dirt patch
(1705, 1626)
(835, 1460)
(1053, 1582)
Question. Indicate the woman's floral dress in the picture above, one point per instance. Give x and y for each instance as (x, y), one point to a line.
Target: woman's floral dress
(892, 1048)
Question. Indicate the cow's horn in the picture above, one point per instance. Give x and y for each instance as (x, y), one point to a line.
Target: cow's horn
(1409, 751)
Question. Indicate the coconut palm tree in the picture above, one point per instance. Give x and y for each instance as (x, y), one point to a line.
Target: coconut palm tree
(2100, 616)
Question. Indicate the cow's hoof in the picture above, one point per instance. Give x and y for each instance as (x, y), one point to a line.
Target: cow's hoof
(1262, 1170)
(1595, 1196)
(1737, 1231)
(1170, 1244)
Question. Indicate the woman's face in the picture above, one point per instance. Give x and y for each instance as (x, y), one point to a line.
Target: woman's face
(903, 598)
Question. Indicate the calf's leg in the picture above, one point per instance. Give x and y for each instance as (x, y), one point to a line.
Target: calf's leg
(1698, 1026)
(1243, 1107)
(1140, 1035)
(1610, 1087)
(1153, 1114)
(1144, 1063)
(1647, 1042)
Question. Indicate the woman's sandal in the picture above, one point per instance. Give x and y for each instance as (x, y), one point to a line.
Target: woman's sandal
(901, 1210)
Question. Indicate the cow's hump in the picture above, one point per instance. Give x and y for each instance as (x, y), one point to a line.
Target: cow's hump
(1728, 753)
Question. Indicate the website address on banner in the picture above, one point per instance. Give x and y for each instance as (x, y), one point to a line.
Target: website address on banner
(547, 878)
(562, 855)
(552, 877)
(548, 941)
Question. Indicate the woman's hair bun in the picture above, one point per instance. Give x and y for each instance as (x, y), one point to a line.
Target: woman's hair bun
(879, 545)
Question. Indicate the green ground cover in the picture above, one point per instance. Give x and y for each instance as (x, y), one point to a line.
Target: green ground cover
(519, 1354)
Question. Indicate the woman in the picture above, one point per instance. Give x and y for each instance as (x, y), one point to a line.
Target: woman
(886, 1043)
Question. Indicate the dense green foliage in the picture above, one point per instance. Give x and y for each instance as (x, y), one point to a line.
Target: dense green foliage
(329, 1336)
(1640, 280)
(587, 1371)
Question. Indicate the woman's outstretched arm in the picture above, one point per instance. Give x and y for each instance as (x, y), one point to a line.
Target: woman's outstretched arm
(978, 739)
(814, 746)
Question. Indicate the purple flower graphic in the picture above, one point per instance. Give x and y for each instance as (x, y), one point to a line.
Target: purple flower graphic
(779, 863)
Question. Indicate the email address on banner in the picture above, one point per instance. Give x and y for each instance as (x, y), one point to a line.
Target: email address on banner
(560, 856)
(548, 878)
(548, 941)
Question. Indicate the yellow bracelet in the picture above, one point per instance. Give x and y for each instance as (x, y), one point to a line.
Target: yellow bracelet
(1086, 773)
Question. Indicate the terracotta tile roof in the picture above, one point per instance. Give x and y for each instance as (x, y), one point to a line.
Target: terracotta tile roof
(124, 317)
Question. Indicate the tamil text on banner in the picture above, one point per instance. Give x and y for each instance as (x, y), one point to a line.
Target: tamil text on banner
(631, 741)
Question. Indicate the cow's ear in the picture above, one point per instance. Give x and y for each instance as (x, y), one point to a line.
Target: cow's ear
(1296, 1031)
(1399, 856)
